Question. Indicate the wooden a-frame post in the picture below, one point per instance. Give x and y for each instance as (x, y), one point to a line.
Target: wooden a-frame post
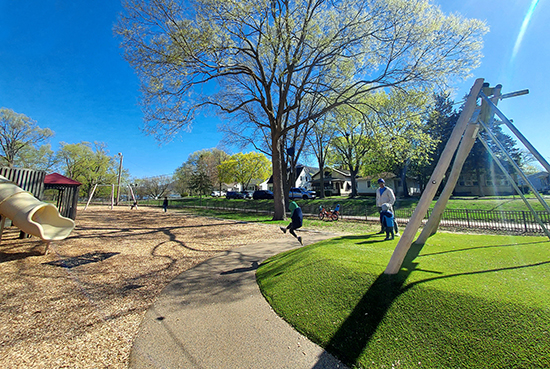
(421, 209)
(464, 149)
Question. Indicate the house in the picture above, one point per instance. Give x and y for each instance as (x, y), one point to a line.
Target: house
(238, 187)
(336, 182)
(487, 184)
(304, 175)
(367, 186)
(540, 181)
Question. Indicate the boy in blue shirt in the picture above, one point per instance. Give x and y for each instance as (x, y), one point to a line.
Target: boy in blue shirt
(297, 218)
(388, 220)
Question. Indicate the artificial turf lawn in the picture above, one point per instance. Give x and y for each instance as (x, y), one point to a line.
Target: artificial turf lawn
(466, 301)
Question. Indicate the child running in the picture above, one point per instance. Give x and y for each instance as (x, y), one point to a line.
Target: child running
(297, 218)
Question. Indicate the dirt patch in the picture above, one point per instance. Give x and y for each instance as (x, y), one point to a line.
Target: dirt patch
(80, 305)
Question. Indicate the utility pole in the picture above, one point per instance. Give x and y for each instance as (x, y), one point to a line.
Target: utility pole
(119, 174)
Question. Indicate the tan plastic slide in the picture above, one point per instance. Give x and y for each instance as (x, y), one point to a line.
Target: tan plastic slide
(31, 215)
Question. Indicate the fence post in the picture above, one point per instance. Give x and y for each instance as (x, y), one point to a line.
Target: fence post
(524, 221)
(468, 218)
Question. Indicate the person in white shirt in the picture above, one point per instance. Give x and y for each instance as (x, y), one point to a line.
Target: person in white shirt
(385, 195)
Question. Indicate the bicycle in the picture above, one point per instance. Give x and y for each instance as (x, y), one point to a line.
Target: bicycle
(329, 214)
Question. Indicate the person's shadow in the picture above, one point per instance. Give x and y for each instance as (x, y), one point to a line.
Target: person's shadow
(254, 266)
(356, 331)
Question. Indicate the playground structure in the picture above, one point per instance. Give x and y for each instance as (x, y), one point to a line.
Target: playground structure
(112, 198)
(472, 119)
(27, 212)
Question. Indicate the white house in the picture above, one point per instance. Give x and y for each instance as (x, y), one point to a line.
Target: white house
(304, 176)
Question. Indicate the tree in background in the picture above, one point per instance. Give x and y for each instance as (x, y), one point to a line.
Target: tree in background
(182, 180)
(207, 162)
(201, 183)
(243, 168)
(439, 125)
(153, 187)
(201, 167)
(43, 158)
(89, 164)
(481, 162)
(262, 58)
(357, 134)
(403, 140)
(17, 133)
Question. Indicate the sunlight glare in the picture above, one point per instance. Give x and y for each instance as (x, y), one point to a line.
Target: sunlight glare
(523, 28)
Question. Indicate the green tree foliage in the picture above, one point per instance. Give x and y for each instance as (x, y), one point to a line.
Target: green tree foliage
(43, 158)
(480, 160)
(182, 179)
(200, 183)
(404, 139)
(89, 164)
(257, 61)
(201, 166)
(358, 134)
(19, 135)
(243, 168)
(440, 122)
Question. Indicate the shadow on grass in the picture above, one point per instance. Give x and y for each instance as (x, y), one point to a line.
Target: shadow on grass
(353, 336)
(484, 247)
(356, 331)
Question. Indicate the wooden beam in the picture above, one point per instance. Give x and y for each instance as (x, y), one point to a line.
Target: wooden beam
(406, 239)
(464, 149)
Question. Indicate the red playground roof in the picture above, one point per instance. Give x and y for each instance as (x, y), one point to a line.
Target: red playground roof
(58, 179)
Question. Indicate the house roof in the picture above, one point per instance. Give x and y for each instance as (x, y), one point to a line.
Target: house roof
(343, 173)
(385, 175)
(299, 169)
(539, 175)
(57, 179)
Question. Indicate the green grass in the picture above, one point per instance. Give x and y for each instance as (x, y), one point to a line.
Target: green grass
(363, 205)
(466, 301)
(309, 223)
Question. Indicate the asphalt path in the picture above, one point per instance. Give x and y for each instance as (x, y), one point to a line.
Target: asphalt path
(214, 316)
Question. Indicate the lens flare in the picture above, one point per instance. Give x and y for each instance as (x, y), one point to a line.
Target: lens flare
(523, 28)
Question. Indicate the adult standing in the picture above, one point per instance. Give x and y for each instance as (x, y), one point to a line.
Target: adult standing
(165, 203)
(385, 195)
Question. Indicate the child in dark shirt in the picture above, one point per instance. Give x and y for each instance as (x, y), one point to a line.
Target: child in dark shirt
(387, 221)
(297, 218)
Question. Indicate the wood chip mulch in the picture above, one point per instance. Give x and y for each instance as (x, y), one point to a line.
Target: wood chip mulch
(80, 305)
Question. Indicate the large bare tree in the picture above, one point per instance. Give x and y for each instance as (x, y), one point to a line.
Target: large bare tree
(257, 60)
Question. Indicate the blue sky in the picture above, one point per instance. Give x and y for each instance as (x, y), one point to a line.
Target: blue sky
(61, 65)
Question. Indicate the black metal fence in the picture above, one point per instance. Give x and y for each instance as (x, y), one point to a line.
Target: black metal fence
(514, 221)
(491, 220)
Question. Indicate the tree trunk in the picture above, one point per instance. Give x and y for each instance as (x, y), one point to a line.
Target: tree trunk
(353, 175)
(322, 179)
(403, 176)
(277, 166)
(479, 184)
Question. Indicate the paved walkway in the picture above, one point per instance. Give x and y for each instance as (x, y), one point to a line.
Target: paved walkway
(214, 316)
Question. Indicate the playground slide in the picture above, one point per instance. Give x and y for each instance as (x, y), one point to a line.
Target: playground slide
(31, 215)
